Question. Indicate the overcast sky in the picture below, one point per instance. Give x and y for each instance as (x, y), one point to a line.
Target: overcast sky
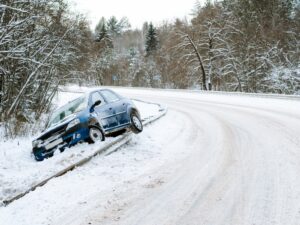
(137, 11)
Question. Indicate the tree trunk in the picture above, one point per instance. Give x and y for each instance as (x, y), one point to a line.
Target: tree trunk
(200, 62)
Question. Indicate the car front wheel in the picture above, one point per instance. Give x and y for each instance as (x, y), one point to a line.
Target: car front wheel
(136, 123)
(95, 134)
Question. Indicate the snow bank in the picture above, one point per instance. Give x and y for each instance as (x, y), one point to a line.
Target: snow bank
(213, 159)
(100, 179)
(18, 169)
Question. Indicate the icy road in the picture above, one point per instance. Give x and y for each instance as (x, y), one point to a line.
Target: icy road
(213, 159)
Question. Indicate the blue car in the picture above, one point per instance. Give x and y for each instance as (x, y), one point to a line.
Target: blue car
(88, 118)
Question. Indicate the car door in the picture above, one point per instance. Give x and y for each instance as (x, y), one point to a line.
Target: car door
(121, 114)
(119, 105)
(104, 112)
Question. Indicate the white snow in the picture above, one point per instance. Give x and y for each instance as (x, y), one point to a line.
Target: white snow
(102, 174)
(18, 169)
(213, 159)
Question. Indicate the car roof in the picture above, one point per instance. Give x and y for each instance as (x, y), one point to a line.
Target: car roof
(87, 93)
(100, 89)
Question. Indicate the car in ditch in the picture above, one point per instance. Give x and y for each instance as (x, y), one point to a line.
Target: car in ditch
(89, 118)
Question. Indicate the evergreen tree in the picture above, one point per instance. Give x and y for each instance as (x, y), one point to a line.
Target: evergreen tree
(102, 22)
(112, 25)
(104, 37)
(116, 27)
(151, 40)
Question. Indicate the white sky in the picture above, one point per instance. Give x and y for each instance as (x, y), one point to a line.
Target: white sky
(137, 11)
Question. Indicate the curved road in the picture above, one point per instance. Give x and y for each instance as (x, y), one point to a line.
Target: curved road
(243, 165)
(221, 160)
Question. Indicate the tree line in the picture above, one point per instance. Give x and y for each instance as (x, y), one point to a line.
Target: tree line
(42, 46)
(229, 45)
(240, 45)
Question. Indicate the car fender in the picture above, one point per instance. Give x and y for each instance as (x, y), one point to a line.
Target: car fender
(131, 108)
(94, 121)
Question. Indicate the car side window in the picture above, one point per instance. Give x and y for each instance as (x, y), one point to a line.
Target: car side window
(95, 97)
(110, 96)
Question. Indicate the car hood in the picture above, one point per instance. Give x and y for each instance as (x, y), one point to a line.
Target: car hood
(56, 128)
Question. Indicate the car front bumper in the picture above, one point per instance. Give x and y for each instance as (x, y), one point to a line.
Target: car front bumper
(66, 139)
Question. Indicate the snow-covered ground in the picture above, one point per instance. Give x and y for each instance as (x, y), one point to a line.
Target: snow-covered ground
(213, 159)
(18, 169)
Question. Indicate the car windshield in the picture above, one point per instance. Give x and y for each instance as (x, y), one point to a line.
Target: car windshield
(68, 110)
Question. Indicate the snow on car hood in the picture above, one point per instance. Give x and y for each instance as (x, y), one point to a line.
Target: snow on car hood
(60, 123)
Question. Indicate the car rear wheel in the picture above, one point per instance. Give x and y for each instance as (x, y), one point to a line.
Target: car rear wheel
(95, 134)
(136, 123)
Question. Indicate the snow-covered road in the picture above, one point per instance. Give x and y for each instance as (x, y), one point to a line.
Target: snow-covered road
(213, 159)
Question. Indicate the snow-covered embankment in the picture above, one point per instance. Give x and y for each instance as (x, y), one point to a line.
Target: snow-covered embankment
(19, 172)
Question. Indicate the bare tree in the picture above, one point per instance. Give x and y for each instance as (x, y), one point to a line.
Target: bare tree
(192, 54)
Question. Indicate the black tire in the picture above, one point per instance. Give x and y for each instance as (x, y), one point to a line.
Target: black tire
(136, 123)
(95, 134)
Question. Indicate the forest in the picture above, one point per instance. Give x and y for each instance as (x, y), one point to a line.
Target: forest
(230, 45)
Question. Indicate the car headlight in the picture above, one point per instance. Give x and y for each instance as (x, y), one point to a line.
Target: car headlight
(35, 143)
(73, 123)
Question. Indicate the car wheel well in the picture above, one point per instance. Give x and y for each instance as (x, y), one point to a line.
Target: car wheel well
(93, 122)
(133, 110)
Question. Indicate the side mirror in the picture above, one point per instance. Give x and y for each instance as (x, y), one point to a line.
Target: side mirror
(98, 102)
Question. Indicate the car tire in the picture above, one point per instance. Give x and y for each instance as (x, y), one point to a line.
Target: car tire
(95, 134)
(136, 123)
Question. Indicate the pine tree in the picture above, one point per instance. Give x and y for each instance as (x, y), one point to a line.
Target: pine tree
(100, 24)
(112, 25)
(116, 27)
(104, 37)
(151, 40)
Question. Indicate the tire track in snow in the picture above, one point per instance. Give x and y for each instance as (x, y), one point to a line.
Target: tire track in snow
(239, 185)
(229, 163)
